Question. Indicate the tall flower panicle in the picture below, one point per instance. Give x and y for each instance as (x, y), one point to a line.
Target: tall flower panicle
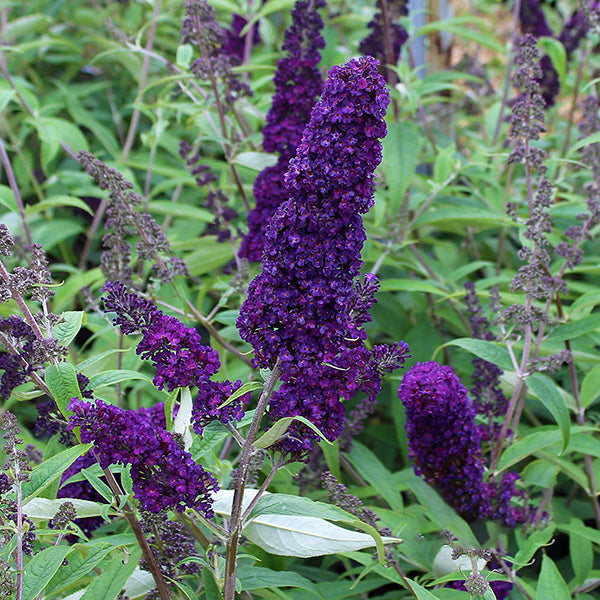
(445, 446)
(298, 309)
(164, 476)
(298, 84)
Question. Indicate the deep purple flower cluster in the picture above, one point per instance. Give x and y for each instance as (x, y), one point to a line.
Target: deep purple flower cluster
(298, 84)
(443, 439)
(164, 476)
(445, 445)
(374, 43)
(207, 404)
(177, 351)
(298, 308)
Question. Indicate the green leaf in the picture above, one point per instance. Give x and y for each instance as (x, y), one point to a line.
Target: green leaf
(5, 97)
(69, 326)
(372, 470)
(43, 508)
(570, 331)
(81, 561)
(443, 165)
(526, 446)
(590, 387)
(175, 209)
(401, 150)
(530, 544)
(489, 351)
(249, 386)
(51, 469)
(253, 578)
(548, 394)
(61, 379)
(455, 217)
(437, 509)
(257, 161)
(581, 553)
(551, 584)
(558, 55)
(113, 578)
(114, 376)
(410, 285)
(50, 233)
(211, 589)
(281, 426)
(185, 53)
(41, 568)
(420, 591)
(58, 201)
(594, 138)
(208, 256)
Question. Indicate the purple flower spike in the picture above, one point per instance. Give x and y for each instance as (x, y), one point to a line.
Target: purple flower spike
(303, 309)
(177, 351)
(298, 84)
(164, 476)
(443, 439)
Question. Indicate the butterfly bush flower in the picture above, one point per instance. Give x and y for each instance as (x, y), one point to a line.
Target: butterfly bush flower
(298, 84)
(164, 476)
(177, 352)
(298, 310)
(445, 445)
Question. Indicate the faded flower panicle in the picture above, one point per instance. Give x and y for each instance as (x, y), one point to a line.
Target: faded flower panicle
(177, 351)
(298, 308)
(489, 398)
(200, 28)
(298, 84)
(171, 544)
(164, 476)
(445, 446)
(123, 221)
(374, 44)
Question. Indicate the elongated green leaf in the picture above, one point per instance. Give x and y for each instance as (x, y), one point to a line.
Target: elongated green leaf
(114, 376)
(69, 327)
(257, 161)
(41, 568)
(58, 201)
(114, 576)
(401, 149)
(210, 585)
(51, 469)
(437, 509)
(551, 584)
(526, 446)
(547, 392)
(253, 578)
(61, 379)
(281, 426)
(249, 386)
(286, 504)
(82, 366)
(421, 592)
(187, 211)
(455, 217)
(372, 470)
(81, 561)
(483, 349)
(570, 331)
(594, 138)
(305, 537)
(530, 544)
(43, 508)
(581, 553)
(558, 55)
(410, 285)
(590, 387)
